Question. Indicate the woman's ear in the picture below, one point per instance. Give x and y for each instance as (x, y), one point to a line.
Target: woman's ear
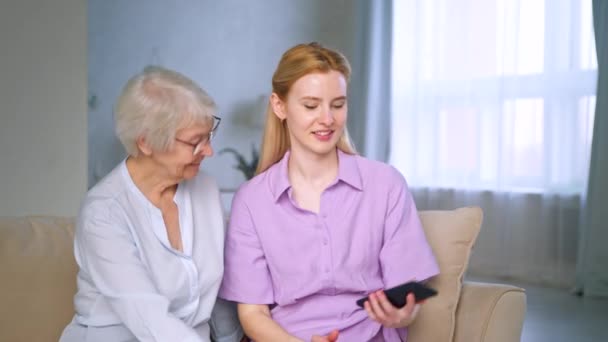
(143, 146)
(278, 106)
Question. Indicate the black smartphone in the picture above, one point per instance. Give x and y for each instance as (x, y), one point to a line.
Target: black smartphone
(396, 295)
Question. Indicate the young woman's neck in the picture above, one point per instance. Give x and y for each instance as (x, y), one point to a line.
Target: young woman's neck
(151, 179)
(313, 169)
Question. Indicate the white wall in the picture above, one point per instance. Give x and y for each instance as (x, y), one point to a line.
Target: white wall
(43, 126)
(229, 47)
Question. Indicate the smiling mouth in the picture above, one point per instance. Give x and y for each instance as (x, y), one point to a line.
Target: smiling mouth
(324, 136)
(323, 133)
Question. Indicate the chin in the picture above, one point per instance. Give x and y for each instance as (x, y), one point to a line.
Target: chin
(190, 172)
(323, 150)
(316, 147)
(190, 175)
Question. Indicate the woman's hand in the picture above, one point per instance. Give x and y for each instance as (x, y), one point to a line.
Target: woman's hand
(382, 311)
(332, 337)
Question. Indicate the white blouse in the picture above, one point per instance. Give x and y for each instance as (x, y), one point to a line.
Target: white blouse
(132, 285)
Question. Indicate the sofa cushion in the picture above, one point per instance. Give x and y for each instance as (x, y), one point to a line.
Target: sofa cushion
(38, 275)
(451, 235)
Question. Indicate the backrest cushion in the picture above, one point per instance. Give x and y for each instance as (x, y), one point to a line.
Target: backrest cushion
(451, 235)
(38, 276)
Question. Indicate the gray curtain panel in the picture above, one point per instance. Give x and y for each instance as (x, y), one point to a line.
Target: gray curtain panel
(370, 101)
(592, 268)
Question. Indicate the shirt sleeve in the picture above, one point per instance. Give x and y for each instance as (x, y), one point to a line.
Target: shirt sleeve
(406, 254)
(246, 275)
(108, 254)
(224, 322)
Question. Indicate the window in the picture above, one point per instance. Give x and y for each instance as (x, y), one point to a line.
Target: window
(493, 94)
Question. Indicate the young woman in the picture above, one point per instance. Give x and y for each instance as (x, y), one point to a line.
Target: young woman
(319, 226)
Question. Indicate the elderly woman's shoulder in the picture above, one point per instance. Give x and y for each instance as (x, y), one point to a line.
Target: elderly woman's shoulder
(110, 185)
(101, 199)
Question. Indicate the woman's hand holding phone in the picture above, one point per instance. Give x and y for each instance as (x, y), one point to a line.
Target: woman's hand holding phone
(380, 309)
(396, 307)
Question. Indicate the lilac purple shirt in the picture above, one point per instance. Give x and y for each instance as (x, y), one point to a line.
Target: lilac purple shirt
(366, 236)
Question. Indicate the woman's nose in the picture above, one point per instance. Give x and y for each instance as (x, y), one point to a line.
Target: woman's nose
(204, 149)
(208, 150)
(327, 116)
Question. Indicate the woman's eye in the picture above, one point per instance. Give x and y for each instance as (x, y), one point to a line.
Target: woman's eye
(339, 105)
(310, 106)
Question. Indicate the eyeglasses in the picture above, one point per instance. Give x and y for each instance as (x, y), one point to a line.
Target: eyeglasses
(206, 139)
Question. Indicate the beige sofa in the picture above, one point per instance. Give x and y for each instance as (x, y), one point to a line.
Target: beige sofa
(38, 280)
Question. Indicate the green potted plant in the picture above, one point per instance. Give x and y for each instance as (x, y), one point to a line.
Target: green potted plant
(247, 167)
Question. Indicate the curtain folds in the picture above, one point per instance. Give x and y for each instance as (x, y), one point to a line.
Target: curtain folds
(525, 237)
(369, 98)
(592, 267)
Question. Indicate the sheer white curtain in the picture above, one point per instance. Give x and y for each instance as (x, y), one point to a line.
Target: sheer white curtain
(492, 105)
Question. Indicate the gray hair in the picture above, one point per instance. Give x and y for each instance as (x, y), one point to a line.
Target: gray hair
(155, 104)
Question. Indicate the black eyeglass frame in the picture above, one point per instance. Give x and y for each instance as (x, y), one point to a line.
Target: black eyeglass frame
(206, 139)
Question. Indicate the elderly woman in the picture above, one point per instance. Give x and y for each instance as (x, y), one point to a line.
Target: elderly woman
(150, 235)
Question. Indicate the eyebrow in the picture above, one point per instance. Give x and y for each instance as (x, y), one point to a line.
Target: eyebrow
(193, 137)
(310, 98)
(318, 99)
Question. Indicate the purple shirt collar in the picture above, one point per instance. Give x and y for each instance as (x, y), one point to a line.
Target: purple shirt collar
(348, 172)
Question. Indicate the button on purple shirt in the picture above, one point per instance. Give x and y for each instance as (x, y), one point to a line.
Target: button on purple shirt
(367, 236)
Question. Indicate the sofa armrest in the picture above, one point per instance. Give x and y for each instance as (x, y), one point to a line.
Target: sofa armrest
(490, 312)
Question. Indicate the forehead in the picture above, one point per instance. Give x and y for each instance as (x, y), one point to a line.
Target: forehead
(193, 128)
(328, 84)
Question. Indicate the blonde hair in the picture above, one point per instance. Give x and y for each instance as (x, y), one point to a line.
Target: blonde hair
(155, 104)
(295, 63)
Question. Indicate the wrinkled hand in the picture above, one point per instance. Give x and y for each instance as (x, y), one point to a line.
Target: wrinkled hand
(332, 337)
(382, 311)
